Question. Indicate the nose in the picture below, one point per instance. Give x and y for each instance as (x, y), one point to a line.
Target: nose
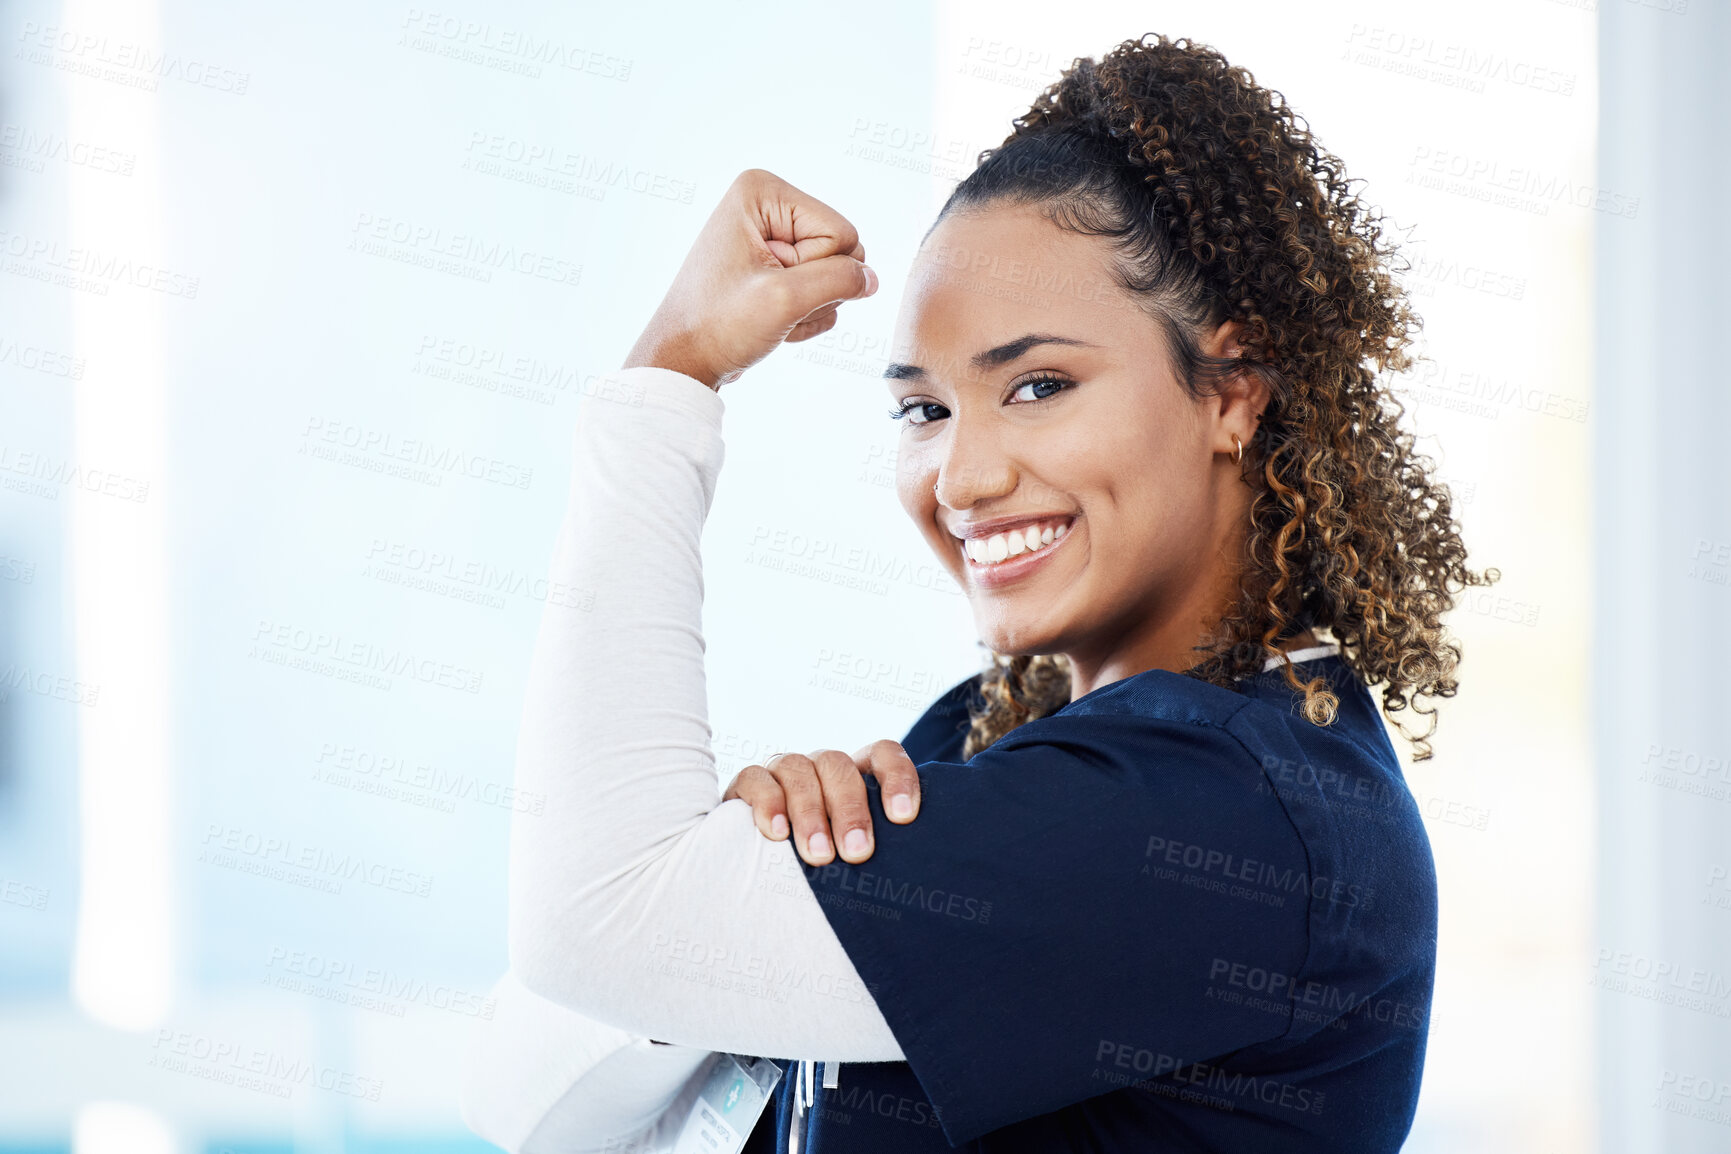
(974, 466)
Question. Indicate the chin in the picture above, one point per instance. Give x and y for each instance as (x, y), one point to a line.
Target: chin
(1014, 640)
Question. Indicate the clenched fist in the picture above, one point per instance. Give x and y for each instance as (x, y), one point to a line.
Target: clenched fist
(771, 265)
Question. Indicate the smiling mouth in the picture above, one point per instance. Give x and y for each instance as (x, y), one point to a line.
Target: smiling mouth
(1011, 546)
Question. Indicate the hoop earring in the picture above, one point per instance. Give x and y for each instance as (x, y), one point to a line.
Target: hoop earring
(1237, 449)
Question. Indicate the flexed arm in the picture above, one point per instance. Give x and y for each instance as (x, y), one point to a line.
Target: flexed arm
(638, 898)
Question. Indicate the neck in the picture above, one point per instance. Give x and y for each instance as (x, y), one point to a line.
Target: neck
(1088, 675)
(1163, 629)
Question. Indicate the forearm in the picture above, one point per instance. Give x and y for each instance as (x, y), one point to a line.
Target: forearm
(637, 898)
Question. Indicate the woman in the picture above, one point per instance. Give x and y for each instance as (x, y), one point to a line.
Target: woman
(1166, 889)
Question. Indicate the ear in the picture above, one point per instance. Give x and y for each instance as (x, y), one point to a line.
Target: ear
(1242, 398)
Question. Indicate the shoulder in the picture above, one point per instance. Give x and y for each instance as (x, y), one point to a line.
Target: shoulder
(1163, 726)
(1153, 723)
(1131, 718)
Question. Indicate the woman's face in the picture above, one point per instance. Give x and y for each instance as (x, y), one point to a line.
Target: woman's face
(1038, 395)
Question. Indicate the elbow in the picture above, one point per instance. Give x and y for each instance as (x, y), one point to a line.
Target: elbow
(557, 910)
(541, 964)
(556, 954)
(580, 933)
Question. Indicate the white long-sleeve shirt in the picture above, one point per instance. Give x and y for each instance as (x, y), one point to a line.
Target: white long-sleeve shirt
(641, 906)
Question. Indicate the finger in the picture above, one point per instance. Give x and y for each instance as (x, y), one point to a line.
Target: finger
(804, 795)
(844, 797)
(811, 327)
(757, 788)
(808, 287)
(898, 779)
(812, 320)
(813, 228)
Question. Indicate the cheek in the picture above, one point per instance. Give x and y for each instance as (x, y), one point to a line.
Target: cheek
(1137, 484)
(916, 474)
(1159, 515)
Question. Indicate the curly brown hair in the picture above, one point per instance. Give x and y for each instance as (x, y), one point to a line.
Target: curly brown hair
(1221, 205)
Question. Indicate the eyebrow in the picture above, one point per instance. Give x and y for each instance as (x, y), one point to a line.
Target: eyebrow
(991, 358)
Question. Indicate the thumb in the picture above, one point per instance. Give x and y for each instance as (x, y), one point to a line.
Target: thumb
(828, 281)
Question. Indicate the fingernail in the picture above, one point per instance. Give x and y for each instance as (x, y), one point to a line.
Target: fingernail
(856, 842)
(901, 805)
(818, 843)
(871, 279)
(778, 826)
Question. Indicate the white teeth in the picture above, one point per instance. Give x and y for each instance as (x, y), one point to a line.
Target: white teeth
(990, 550)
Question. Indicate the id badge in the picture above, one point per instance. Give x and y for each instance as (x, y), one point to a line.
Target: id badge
(726, 1109)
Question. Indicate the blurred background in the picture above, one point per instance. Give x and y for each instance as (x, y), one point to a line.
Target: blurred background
(260, 660)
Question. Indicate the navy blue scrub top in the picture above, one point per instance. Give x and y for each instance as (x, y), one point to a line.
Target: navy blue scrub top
(1167, 917)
